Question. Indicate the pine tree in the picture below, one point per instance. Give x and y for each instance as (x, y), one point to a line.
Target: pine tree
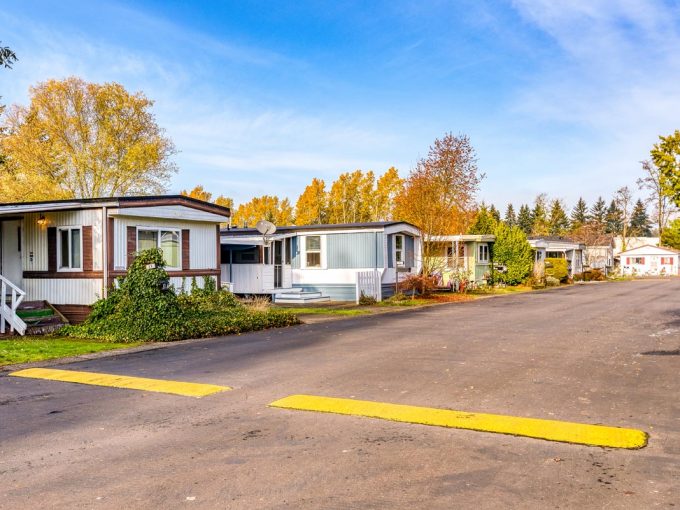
(558, 223)
(579, 215)
(613, 219)
(525, 220)
(539, 216)
(598, 213)
(510, 218)
(485, 222)
(495, 213)
(640, 224)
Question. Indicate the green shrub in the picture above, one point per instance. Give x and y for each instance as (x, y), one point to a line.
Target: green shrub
(140, 310)
(365, 300)
(551, 281)
(512, 250)
(557, 268)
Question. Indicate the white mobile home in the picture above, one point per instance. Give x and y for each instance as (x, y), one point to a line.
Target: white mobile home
(558, 247)
(322, 260)
(69, 252)
(649, 261)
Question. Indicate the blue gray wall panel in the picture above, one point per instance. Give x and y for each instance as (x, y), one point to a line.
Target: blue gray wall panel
(337, 291)
(355, 250)
(295, 252)
(410, 258)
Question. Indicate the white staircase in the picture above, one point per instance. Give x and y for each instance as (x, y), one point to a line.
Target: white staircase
(11, 297)
(299, 297)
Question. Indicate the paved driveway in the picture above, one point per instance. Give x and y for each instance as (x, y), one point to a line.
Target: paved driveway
(602, 353)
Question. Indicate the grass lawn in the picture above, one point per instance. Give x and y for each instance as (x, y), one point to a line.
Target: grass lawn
(325, 311)
(492, 291)
(38, 348)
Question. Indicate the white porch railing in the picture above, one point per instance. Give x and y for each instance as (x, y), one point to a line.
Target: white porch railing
(369, 283)
(8, 307)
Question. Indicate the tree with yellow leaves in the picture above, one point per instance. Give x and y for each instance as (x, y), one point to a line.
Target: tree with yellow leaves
(311, 207)
(83, 140)
(389, 186)
(266, 207)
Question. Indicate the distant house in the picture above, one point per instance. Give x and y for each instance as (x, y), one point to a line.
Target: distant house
(68, 252)
(649, 261)
(319, 262)
(558, 247)
(463, 256)
(633, 242)
(600, 254)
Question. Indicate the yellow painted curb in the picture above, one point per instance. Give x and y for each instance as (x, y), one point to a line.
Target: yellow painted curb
(551, 430)
(186, 389)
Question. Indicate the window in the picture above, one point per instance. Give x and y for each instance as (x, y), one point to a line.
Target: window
(70, 249)
(399, 249)
(667, 261)
(635, 260)
(166, 240)
(483, 253)
(313, 251)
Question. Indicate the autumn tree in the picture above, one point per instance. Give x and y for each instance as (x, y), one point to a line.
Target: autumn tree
(579, 214)
(224, 201)
(198, 193)
(345, 198)
(666, 157)
(653, 182)
(83, 140)
(558, 222)
(592, 233)
(510, 218)
(388, 188)
(266, 207)
(524, 219)
(439, 194)
(311, 207)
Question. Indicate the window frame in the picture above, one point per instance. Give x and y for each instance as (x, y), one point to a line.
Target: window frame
(160, 230)
(320, 251)
(68, 269)
(401, 251)
(486, 258)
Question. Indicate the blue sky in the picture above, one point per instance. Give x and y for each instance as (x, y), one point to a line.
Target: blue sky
(260, 97)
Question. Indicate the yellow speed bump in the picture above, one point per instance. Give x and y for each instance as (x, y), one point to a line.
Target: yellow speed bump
(186, 389)
(551, 430)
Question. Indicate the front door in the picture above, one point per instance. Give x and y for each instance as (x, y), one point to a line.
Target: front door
(278, 264)
(10, 252)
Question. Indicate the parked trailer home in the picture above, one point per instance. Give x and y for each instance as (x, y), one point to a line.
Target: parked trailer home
(462, 257)
(649, 261)
(319, 262)
(69, 252)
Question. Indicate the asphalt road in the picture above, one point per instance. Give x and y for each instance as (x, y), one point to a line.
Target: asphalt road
(602, 353)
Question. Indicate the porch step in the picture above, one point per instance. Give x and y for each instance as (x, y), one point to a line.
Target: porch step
(40, 317)
(299, 296)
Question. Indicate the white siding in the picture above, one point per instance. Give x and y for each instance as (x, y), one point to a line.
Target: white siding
(202, 240)
(71, 291)
(171, 212)
(35, 236)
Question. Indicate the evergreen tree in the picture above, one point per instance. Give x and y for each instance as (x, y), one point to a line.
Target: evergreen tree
(539, 216)
(484, 223)
(613, 219)
(598, 213)
(558, 223)
(579, 215)
(524, 219)
(512, 250)
(510, 218)
(640, 224)
(495, 213)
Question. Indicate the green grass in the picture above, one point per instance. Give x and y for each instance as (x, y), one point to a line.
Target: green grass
(325, 311)
(39, 348)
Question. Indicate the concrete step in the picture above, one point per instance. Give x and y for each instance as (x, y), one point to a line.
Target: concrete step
(301, 300)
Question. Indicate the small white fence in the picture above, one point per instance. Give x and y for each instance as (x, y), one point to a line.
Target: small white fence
(369, 283)
(8, 306)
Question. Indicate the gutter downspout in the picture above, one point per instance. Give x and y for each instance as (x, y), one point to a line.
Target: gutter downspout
(105, 251)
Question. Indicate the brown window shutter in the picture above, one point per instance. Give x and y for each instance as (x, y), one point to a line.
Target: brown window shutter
(186, 250)
(218, 260)
(87, 248)
(131, 245)
(52, 249)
